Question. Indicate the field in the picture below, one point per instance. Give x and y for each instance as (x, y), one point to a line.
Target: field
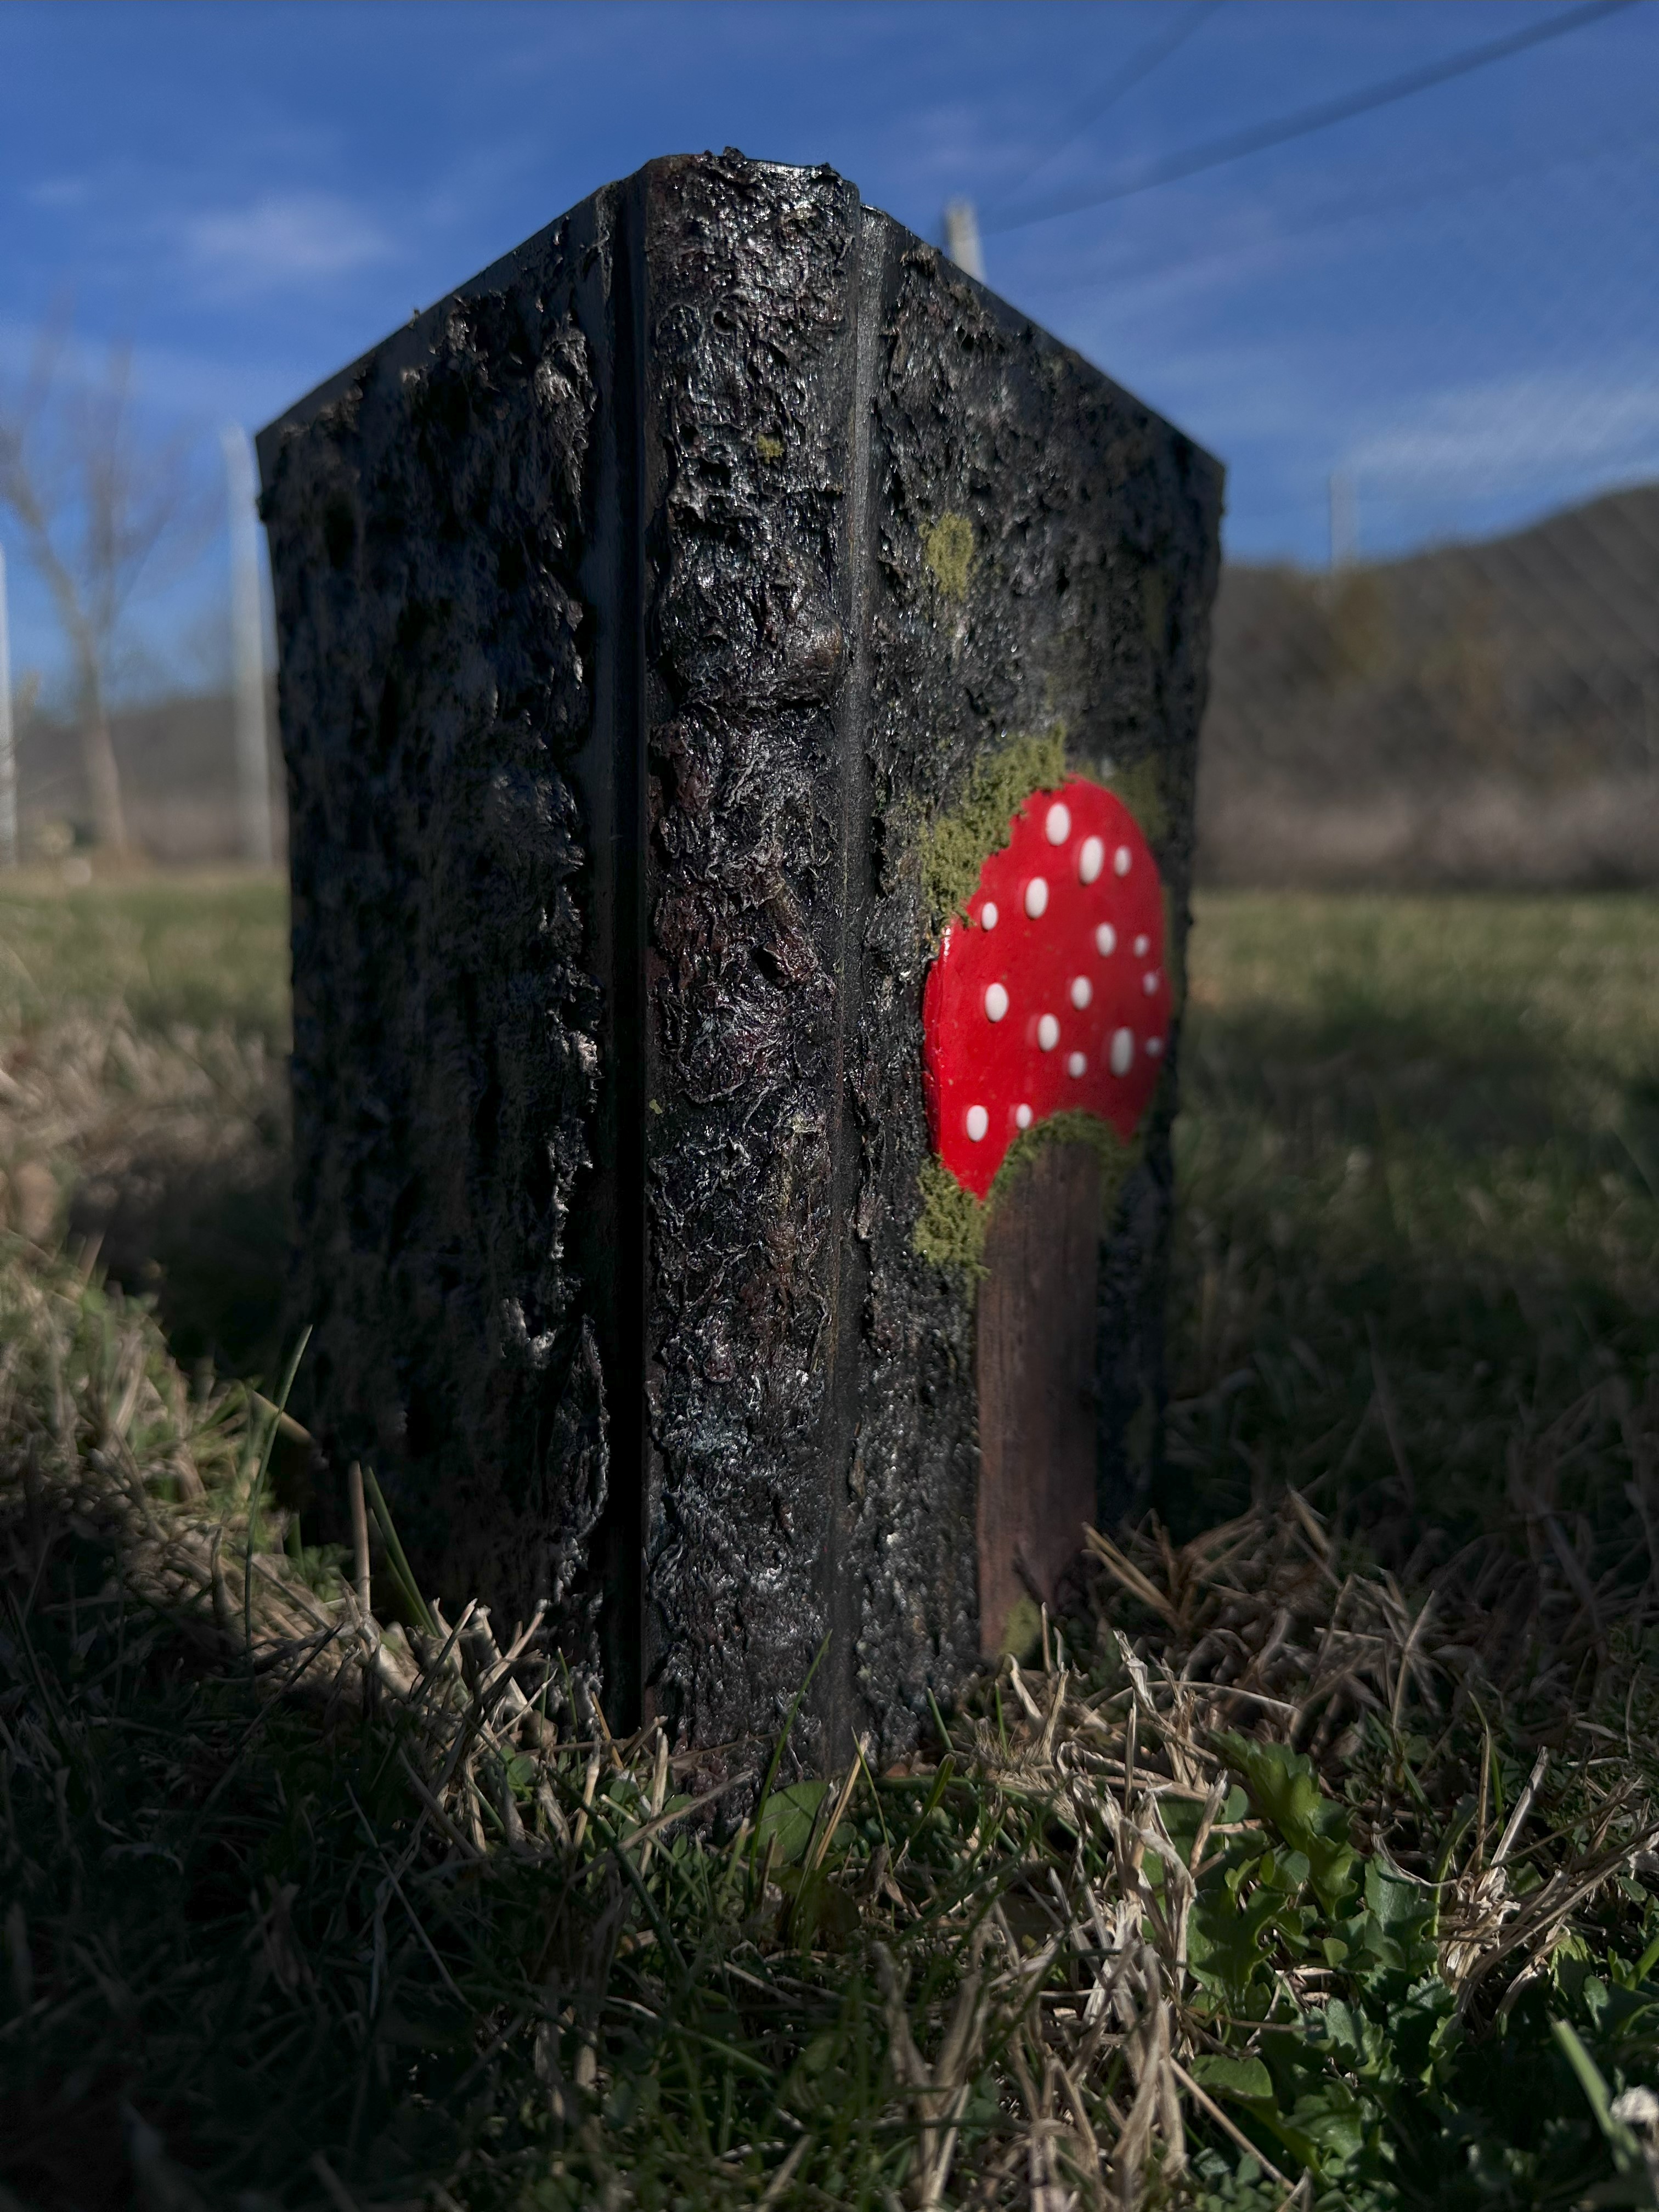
(1322, 1868)
(1421, 1169)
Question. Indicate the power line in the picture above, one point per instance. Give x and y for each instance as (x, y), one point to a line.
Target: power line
(1215, 152)
(1140, 65)
(1354, 208)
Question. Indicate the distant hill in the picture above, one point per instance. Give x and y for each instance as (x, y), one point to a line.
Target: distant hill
(1476, 713)
(1479, 713)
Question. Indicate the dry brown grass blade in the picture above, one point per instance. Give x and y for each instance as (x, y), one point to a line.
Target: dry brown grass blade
(1229, 2127)
(1248, 1628)
(1138, 1584)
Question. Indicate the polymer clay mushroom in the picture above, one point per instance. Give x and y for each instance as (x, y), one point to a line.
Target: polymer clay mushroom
(1051, 996)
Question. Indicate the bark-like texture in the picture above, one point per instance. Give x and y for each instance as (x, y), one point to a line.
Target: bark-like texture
(748, 401)
(638, 608)
(426, 528)
(1044, 552)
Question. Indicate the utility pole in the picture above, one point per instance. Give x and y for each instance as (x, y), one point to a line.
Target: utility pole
(8, 737)
(1345, 520)
(961, 238)
(248, 652)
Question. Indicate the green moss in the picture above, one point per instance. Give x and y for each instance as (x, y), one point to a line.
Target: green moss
(951, 1224)
(949, 1229)
(1140, 786)
(955, 846)
(1116, 1158)
(947, 547)
(1022, 1632)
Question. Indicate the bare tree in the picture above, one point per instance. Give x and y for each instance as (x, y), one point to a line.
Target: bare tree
(96, 508)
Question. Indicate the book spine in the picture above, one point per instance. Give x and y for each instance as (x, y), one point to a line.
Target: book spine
(750, 333)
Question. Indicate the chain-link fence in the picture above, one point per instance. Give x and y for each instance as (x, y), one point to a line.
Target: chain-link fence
(1478, 712)
(1467, 688)
(1437, 644)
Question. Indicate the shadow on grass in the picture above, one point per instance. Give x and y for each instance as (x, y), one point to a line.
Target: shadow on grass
(1357, 1073)
(209, 1242)
(1415, 1274)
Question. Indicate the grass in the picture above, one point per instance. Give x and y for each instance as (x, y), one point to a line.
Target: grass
(1314, 1865)
(205, 952)
(146, 1108)
(1420, 1177)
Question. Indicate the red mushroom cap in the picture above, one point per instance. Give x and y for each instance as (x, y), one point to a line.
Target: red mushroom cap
(1052, 996)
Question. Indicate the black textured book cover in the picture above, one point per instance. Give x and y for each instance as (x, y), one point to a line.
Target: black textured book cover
(651, 613)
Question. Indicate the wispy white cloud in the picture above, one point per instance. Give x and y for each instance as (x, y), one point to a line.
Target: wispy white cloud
(284, 238)
(175, 388)
(59, 192)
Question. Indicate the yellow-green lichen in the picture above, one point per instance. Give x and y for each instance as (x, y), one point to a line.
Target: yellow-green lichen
(947, 547)
(768, 447)
(955, 846)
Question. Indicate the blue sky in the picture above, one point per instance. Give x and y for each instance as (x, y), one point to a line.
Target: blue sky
(1454, 300)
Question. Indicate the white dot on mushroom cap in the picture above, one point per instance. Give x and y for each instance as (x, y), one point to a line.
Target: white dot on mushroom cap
(1047, 1033)
(1149, 982)
(1121, 861)
(1092, 860)
(1082, 990)
(978, 1123)
(1076, 1064)
(1143, 946)
(1154, 1047)
(1059, 823)
(1036, 898)
(988, 915)
(996, 1002)
(1123, 1051)
(1022, 1116)
(1106, 940)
